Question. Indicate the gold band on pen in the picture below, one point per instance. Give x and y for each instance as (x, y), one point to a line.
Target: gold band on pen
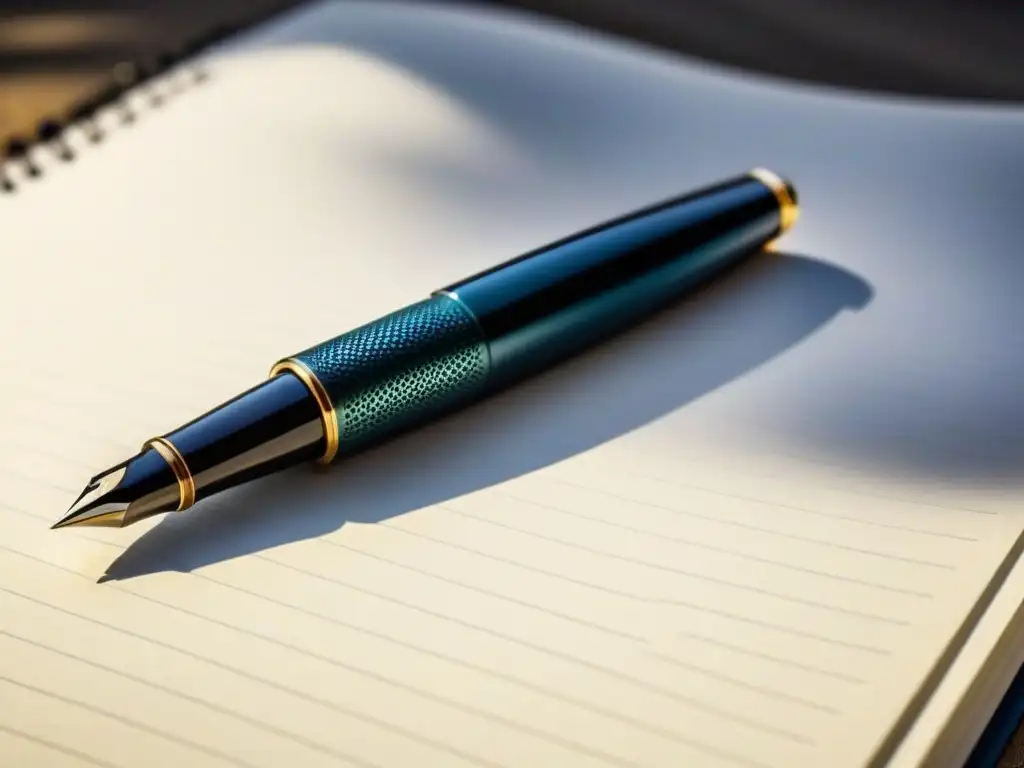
(328, 416)
(789, 211)
(170, 454)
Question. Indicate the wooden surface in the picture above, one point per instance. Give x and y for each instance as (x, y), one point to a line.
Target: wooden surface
(53, 52)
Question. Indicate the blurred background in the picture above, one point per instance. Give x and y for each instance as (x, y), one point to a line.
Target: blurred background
(53, 52)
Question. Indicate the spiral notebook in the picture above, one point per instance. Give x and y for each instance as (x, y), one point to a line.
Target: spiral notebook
(778, 525)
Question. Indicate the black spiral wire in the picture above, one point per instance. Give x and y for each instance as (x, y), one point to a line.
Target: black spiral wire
(124, 77)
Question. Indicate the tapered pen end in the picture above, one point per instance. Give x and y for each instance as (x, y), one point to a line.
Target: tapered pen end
(100, 505)
(138, 488)
(105, 520)
(102, 521)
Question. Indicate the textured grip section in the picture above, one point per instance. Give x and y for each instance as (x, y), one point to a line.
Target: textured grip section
(398, 371)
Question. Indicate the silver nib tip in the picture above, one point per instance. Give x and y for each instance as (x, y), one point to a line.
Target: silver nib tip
(100, 520)
(95, 507)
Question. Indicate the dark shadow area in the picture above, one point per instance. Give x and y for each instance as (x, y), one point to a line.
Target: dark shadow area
(940, 48)
(93, 60)
(722, 333)
(936, 48)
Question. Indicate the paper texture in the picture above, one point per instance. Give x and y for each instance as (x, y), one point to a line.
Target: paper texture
(744, 534)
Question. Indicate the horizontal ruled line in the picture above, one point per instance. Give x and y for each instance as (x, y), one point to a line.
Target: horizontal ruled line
(455, 660)
(488, 593)
(690, 574)
(398, 730)
(57, 747)
(788, 630)
(808, 510)
(762, 529)
(516, 564)
(47, 453)
(816, 461)
(763, 690)
(62, 428)
(547, 651)
(181, 376)
(808, 460)
(419, 609)
(672, 694)
(28, 478)
(574, 660)
(722, 550)
(77, 531)
(315, 746)
(497, 719)
(93, 708)
(775, 659)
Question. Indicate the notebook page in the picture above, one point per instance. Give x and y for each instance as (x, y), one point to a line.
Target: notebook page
(615, 564)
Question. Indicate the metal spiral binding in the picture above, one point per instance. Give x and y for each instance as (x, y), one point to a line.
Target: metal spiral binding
(125, 77)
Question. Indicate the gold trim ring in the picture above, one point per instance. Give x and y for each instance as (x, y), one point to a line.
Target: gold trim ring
(789, 211)
(170, 454)
(328, 416)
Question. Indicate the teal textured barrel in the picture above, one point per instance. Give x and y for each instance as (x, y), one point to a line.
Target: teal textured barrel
(405, 368)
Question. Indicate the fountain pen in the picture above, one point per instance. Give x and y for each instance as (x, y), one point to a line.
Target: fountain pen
(463, 342)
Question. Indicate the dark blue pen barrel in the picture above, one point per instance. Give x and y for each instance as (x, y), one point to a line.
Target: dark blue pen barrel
(269, 427)
(547, 304)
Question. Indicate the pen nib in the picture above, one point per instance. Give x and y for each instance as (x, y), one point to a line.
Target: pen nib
(97, 506)
(131, 491)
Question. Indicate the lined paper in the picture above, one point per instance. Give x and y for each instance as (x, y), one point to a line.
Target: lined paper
(572, 574)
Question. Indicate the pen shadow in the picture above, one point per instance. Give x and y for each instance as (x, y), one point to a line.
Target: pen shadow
(721, 333)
